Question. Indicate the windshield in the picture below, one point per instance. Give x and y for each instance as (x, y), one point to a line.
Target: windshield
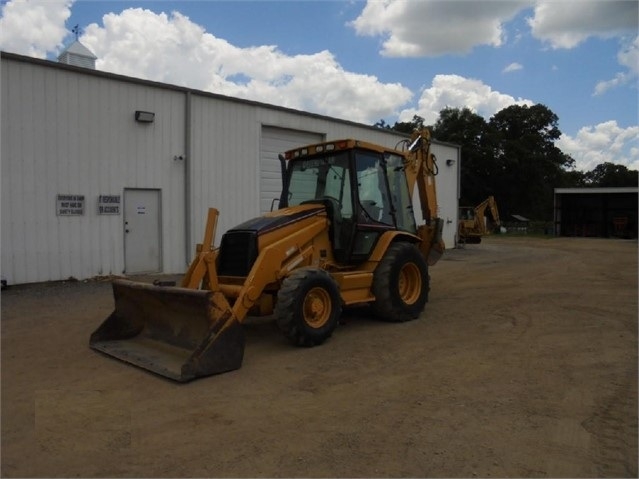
(317, 178)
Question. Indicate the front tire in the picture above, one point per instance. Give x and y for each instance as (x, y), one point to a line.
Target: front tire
(308, 306)
(400, 284)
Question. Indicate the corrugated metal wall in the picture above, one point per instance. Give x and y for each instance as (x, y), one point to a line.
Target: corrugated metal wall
(225, 142)
(274, 141)
(448, 189)
(72, 131)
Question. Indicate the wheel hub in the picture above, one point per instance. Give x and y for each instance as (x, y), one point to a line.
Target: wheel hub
(409, 283)
(317, 307)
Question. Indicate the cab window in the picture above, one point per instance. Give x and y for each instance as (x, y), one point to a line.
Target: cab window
(371, 185)
(400, 196)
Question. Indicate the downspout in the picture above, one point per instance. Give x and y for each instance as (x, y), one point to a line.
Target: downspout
(187, 177)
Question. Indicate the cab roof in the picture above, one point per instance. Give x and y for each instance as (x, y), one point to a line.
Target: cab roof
(337, 145)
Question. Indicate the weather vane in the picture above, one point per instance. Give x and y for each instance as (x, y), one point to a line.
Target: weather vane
(77, 31)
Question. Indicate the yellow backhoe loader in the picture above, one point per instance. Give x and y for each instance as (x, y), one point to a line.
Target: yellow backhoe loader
(472, 221)
(345, 234)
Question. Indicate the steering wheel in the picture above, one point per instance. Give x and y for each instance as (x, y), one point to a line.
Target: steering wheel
(335, 200)
(337, 208)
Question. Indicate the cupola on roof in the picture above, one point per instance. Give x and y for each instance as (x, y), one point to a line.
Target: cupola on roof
(78, 55)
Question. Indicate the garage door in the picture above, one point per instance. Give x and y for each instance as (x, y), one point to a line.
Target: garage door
(275, 141)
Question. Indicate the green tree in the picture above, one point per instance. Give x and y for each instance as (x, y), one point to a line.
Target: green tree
(512, 157)
(382, 124)
(611, 175)
(572, 179)
(408, 127)
(529, 165)
(470, 131)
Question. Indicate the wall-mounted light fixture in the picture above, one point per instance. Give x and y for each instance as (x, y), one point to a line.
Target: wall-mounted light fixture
(144, 116)
(450, 162)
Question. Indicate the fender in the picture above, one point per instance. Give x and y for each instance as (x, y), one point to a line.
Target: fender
(386, 239)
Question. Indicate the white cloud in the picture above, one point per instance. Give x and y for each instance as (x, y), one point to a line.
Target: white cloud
(455, 91)
(173, 49)
(436, 27)
(567, 23)
(513, 67)
(605, 142)
(32, 27)
(628, 57)
(603, 86)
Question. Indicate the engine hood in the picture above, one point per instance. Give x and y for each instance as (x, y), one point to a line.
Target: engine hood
(279, 218)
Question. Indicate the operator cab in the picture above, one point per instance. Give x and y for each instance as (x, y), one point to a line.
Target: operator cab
(364, 189)
(467, 213)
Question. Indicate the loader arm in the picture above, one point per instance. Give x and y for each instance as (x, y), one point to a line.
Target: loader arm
(277, 260)
(203, 265)
(274, 262)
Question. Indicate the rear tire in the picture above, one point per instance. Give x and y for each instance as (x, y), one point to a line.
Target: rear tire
(400, 284)
(308, 307)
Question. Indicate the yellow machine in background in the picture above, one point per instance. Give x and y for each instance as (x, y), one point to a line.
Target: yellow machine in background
(345, 234)
(473, 221)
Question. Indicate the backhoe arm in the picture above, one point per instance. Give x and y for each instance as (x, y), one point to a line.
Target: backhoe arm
(494, 211)
(421, 169)
(480, 212)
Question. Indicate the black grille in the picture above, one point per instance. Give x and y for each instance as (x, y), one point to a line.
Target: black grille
(238, 252)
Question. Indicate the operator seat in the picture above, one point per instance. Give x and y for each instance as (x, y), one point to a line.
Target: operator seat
(335, 222)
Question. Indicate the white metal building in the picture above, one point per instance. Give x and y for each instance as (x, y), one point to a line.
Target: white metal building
(105, 174)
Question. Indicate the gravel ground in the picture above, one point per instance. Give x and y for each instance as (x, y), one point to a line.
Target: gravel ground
(523, 364)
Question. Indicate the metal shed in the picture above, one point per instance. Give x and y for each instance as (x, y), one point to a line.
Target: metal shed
(104, 174)
(596, 212)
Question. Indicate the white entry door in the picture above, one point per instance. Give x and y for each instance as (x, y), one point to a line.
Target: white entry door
(142, 246)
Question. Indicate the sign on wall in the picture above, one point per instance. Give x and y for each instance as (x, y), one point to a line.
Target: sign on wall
(70, 205)
(109, 204)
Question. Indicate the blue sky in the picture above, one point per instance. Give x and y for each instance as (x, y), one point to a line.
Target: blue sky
(370, 60)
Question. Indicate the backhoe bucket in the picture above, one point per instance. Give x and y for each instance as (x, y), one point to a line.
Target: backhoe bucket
(178, 333)
(437, 247)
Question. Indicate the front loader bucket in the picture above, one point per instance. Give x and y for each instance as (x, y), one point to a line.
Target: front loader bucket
(178, 333)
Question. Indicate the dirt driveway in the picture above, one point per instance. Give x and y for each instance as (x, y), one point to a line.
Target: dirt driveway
(524, 364)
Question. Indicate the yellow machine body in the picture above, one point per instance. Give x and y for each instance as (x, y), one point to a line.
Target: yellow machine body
(473, 221)
(303, 262)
